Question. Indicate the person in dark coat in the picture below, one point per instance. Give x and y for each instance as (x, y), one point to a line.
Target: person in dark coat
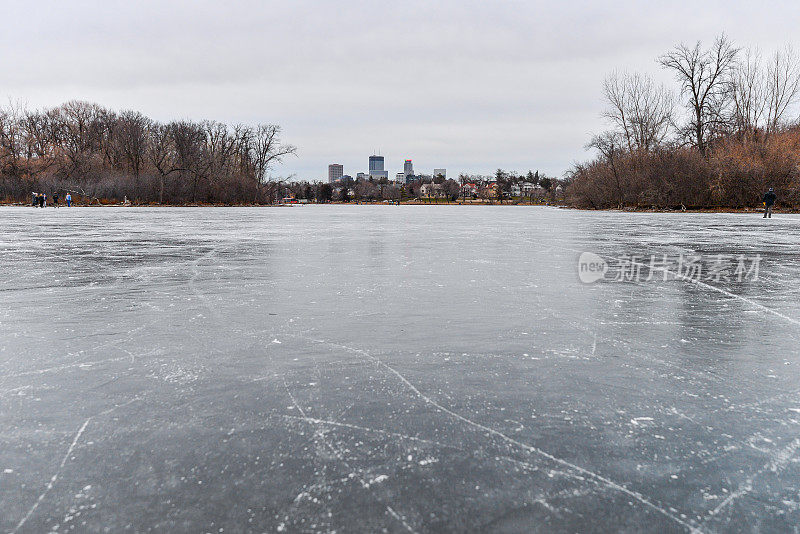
(769, 201)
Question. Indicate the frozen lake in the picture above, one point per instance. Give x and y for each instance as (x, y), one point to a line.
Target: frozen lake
(397, 368)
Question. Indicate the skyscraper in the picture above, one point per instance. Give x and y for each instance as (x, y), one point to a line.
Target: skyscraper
(375, 163)
(376, 167)
(335, 172)
(408, 168)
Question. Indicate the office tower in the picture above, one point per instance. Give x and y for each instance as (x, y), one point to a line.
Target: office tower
(335, 172)
(408, 168)
(375, 163)
(376, 167)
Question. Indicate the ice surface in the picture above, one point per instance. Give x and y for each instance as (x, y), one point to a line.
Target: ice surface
(413, 369)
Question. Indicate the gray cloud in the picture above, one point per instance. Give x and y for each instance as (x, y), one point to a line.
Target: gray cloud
(465, 85)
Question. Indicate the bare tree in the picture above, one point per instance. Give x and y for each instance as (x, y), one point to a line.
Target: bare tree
(132, 132)
(502, 184)
(748, 94)
(639, 109)
(243, 136)
(12, 139)
(161, 155)
(78, 132)
(783, 86)
(222, 144)
(610, 146)
(189, 140)
(40, 140)
(738, 104)
(266, 150)
(100, 154)
(704, 79)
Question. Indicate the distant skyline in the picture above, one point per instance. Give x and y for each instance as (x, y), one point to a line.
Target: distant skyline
(464, 85)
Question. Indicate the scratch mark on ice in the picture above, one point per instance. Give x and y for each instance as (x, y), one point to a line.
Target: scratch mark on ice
(71, 448)
(679, 276)
(778, 462)
(53, 479)
(531, 449)
(367, 429)
(84, 365)
(338, 455)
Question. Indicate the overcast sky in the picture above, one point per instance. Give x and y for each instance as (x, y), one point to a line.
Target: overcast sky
(468, 86)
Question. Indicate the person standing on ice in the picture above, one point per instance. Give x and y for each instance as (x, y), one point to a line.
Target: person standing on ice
(69, 200)
(769, 201)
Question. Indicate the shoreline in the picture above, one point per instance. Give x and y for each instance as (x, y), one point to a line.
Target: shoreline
(785, 211)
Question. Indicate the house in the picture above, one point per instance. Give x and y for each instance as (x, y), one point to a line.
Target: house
(522, 189)
(489, 190)
(432, 190)
(469, 190)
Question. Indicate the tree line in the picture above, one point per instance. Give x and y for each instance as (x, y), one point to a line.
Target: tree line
(496, 188)
(103, 155)
(722, 136)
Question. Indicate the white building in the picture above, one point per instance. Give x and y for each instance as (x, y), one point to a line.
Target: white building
(400, 178)
(522, 189)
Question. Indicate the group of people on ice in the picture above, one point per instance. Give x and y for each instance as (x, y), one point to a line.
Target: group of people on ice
(39, 200)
